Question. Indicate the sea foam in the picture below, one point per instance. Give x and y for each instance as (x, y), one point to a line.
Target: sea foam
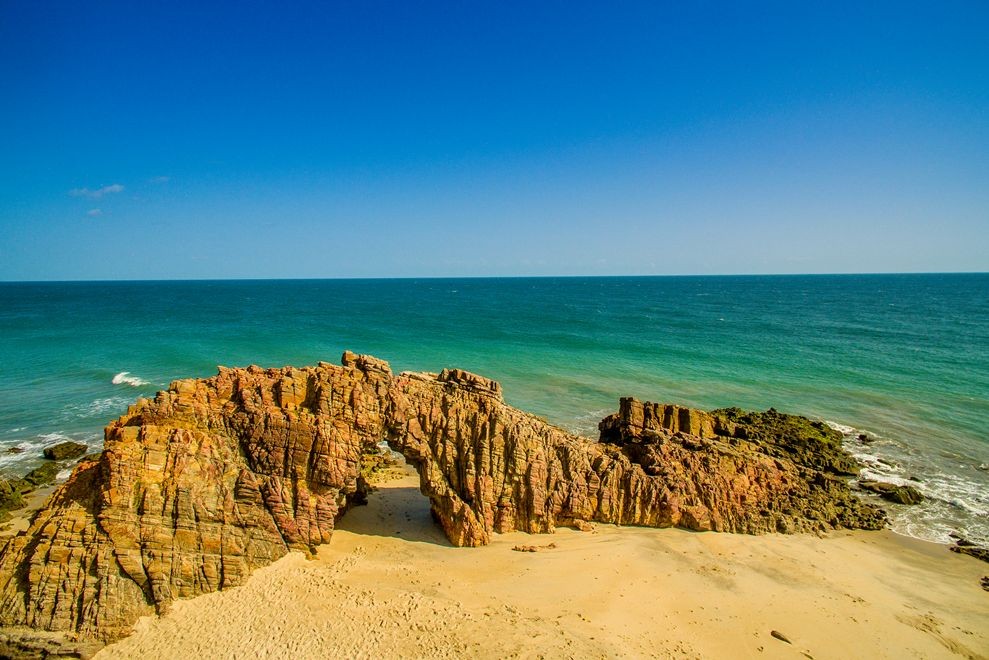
(98, 407)
(16, 458)
(953, 504)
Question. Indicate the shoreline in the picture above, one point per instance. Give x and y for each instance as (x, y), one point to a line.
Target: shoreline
(215, 513)
(389, 584)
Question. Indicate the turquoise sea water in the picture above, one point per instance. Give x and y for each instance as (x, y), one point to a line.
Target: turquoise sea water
(903, 358)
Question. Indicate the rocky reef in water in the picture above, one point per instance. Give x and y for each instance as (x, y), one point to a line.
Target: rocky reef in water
(217, 477)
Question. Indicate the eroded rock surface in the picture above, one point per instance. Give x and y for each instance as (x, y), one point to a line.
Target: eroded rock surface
(216, 477)
(752, 473)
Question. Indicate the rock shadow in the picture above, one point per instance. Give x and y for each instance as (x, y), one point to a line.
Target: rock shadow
(395, 511)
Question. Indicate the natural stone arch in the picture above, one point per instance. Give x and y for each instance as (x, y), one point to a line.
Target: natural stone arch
(216, 477)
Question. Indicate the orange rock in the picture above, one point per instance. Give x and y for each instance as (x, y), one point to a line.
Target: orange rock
(217, 477)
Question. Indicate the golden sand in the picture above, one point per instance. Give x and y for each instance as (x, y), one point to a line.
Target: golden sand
(390, 585)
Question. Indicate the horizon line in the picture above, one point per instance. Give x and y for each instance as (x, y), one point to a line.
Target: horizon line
(482, 277)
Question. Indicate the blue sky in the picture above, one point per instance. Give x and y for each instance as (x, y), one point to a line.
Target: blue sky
(174, 140)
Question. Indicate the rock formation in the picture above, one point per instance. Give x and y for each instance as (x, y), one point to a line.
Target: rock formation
(216, 477)
(893, 492)
(64, 450)
(741, 472)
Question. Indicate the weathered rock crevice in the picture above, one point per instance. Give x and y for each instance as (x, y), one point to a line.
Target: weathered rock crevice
(216, 477)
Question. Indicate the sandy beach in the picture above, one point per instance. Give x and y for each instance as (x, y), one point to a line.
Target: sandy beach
(389, 584)
(342, 330)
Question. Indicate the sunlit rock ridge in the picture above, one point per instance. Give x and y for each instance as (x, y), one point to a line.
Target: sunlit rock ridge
(217, 477)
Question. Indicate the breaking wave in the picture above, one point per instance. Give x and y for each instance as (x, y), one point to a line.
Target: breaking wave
(955, 502)
(125, 378)
(16, 458)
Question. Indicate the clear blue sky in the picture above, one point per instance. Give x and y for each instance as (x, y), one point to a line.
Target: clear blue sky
(180, 140)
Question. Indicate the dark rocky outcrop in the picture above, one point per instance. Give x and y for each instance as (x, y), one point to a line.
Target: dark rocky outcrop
(28, 644)
(65, 450)
(806, 442)
(966, 547)
(217, 477)
(11, 496)
(43, 475)
(892, 492)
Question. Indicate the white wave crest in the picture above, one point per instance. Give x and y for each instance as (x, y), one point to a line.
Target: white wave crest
(841, 428)
(125, 378)
(17, 458)
(13, 454)
(54, 436)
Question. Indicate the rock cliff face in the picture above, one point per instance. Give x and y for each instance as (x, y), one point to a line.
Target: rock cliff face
(751, 472)
(217, 477)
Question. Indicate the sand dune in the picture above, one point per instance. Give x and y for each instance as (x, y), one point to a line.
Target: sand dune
(390, 585)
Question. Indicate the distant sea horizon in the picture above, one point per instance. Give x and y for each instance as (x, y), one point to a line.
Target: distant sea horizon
(482, 277)
(899, 358)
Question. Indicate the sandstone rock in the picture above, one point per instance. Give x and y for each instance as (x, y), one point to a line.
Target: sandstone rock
(893, 493)
(813, 444)
(471, 382)
(65, 450)
(740, 472)
(217, 477)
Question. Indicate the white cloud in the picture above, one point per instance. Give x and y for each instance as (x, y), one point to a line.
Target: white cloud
(160, 179)
(94, 213)
(98, 192)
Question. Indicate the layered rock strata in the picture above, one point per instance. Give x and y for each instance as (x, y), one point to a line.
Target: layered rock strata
(216, 477)
(734, 472)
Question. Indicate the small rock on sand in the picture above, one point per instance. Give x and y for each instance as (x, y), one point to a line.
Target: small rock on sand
(534, 548)
(780, 636)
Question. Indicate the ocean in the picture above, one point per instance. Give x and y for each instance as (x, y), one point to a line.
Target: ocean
(903, 359)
